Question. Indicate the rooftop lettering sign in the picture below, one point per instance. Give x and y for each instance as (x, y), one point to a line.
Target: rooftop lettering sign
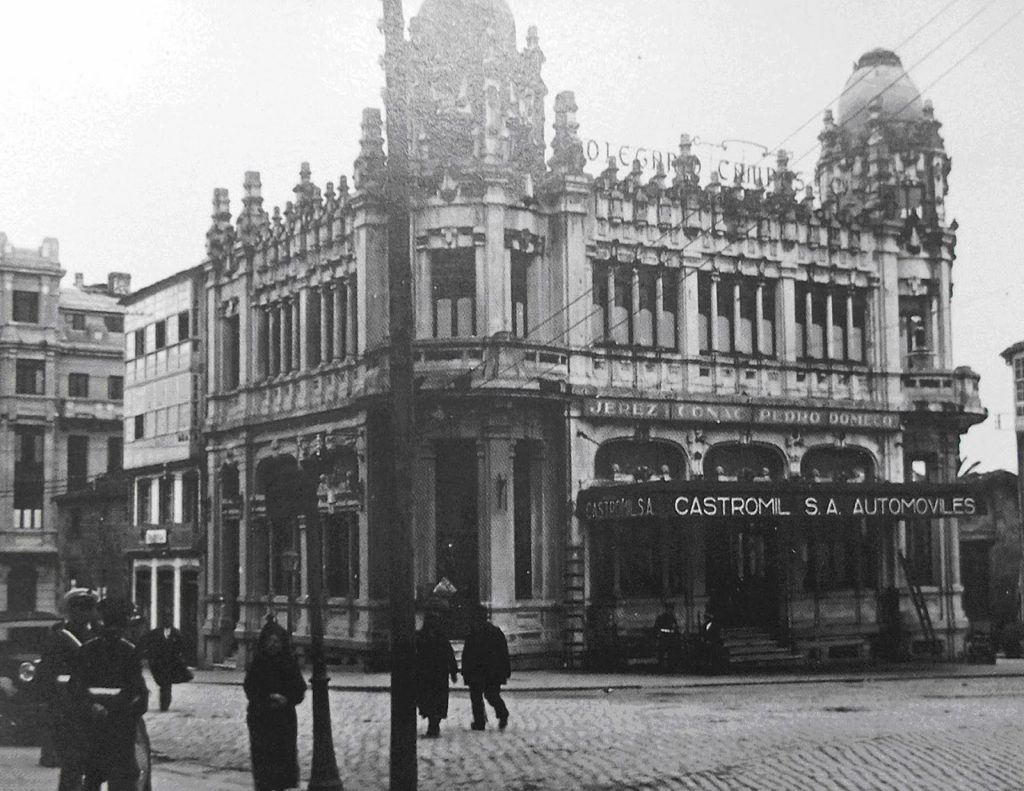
(697, 412)
(733, 161)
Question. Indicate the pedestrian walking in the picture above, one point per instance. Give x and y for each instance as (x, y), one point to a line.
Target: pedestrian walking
(165, 650)
(63, 745)
(110, 692)
(435, 663)
(485, 667)
(274, 687)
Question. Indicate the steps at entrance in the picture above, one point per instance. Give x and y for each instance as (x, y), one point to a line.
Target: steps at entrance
(751, 648)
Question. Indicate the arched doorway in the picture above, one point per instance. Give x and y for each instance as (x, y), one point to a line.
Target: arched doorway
(743, 563)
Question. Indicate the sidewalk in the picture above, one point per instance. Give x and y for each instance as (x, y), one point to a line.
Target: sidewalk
(344, 679)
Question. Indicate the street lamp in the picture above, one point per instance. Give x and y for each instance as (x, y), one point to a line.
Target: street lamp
(291, 562)
(324, 772)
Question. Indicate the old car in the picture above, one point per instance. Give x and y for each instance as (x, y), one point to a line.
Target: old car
(22, 710)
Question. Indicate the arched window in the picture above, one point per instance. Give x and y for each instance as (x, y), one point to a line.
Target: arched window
(21, 588)
(626, 460)
(734, 461)
(838, 465)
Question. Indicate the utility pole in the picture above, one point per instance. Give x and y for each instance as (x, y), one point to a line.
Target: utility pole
(402, 582)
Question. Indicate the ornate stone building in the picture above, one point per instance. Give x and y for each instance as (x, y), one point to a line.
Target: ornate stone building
(595, 358)
(61, 396)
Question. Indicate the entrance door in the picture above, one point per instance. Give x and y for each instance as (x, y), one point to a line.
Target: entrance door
(742, 574)
(458, 546)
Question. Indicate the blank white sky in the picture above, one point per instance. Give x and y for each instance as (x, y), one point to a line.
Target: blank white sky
(118, 119)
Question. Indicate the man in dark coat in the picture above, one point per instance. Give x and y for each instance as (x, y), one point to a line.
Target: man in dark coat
(165, 650)
(666, 637)
(110, 692)
(57, 661)
(435, 663)
(485, 667)
(274, 686)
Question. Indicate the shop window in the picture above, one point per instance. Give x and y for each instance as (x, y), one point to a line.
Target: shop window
(115, 388)
(26, 307)
(78, 385)
(520, 294)
(341, 555)
(114, 322)
(522, 502)
(30, 377)
(453, 283)
(22, 582)
(115, 454)
(78, 461)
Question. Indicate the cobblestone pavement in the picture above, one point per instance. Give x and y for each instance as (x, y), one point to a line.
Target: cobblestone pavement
(871, 733)
(960, 733)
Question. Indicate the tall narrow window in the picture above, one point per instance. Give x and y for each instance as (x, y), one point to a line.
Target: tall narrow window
(856, 346)
(28, 477)
(520, 298)
(620, 318)
(766, 330)
(76, 321)
(184, 333)
(648, 307)
(669, 310)
(78, 385)
(839, 339)
(231, 352)
(26, 306)
(599, 303)
(453, 281)
(522, 499)
(140, 426)
(30, 377)
(165, 491)
(140, 342)
(746, 330)
(115, 388)
(160, 334)
(314, 318)
(78, 461)
(143, 488)
(725, 316)
(704, 309)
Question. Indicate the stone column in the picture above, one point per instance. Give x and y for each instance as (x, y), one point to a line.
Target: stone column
(424, 294)
(713, 339)
(303, 548)
(155, 487)
(934, 329)
(829, 315)
(177, 594)
(153, 601)
(659, 305)
(177, 499)
(759, 342)
(737, 315)
(610, 302)
(785, 323)
(849, 324)
(424, 526)
(325, 335)
(497, 534)
(634, 301)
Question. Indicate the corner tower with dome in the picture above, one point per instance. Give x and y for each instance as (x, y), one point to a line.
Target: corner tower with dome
(632, 387)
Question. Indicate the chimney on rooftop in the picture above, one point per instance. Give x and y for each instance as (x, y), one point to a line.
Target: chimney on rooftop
(79, 280)
(119, 283)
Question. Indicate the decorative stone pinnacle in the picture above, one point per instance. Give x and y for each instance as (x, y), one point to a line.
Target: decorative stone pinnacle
(253, 220)
(686, 165)
(567, 149)
(369, 165)
(221, 235)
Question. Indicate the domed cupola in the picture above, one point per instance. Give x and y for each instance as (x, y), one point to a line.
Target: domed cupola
(878, 74)
(477, 104)
(881, 155)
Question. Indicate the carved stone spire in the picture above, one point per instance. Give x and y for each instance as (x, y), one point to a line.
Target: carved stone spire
(252, 220)
(567, 155)
(305, 192)
(686, 165)
(369, 165)
(221, 236)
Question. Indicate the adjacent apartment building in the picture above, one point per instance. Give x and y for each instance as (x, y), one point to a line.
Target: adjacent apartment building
(163, 401)
(61, 393)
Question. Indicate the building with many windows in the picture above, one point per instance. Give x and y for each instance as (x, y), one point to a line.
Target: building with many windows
(631, 388)
(163, 403)
(61, 394)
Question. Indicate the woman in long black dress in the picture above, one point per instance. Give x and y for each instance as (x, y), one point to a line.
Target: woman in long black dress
(435, 663)
(274, 687)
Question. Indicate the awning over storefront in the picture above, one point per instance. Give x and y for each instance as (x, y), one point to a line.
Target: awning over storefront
(780, 501)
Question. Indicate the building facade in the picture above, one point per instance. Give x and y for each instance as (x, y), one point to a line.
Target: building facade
(61, 383)
(626, 384)
(164, 392)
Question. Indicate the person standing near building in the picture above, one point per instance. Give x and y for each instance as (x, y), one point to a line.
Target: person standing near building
(274, 686)
(165, 650)
(485, 667)
(666, 637)
(64, 730)
(108, 688)
(435, 663)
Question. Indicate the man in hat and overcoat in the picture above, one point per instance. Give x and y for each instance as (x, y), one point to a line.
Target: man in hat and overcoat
(485, 667)
(55, 667)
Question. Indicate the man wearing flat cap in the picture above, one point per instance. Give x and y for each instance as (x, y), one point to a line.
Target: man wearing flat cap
(57, 662)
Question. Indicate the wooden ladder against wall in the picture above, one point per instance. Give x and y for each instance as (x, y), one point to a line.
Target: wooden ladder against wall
(575, 606)
(919, 603)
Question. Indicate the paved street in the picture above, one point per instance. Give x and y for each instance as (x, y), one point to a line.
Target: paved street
(858, 733)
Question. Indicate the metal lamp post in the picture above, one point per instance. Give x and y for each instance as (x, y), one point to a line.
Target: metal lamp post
(324, 772)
